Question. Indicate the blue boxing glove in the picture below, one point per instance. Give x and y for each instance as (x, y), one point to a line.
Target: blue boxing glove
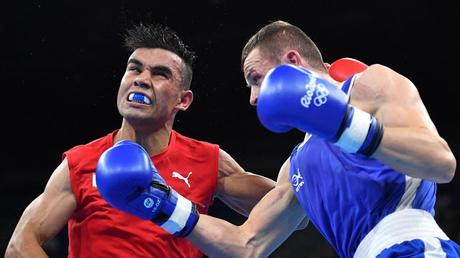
(293, 97)
(128, 180)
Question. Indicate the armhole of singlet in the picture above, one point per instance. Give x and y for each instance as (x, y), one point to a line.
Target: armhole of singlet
(347, 85)
(305, 140)
(73, 177)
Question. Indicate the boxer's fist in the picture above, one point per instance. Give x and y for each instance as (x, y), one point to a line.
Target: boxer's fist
(293, 97)
(128, 180)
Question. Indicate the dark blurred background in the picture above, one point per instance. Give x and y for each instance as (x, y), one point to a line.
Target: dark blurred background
(61, 63)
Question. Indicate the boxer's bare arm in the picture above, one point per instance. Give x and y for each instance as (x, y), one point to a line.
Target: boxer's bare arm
(239, 189)
(44, 217)
(271, 221)
(410, 143)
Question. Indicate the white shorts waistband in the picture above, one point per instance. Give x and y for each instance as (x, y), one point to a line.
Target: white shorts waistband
(397, 227)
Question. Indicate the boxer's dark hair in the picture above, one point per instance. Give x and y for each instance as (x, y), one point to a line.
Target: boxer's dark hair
(161, 36)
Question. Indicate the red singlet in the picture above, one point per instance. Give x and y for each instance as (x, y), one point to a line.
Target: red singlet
(98, 230)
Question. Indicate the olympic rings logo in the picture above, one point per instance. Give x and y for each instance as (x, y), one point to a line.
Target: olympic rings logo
(321, 95)
(319, 90)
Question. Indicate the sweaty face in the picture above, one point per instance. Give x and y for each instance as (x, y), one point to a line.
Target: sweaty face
(150, 89)
(255, 67)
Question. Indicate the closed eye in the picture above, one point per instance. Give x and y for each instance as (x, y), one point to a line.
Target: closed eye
(134, 68)
(161, 71)
(134, 65)
(254, 79)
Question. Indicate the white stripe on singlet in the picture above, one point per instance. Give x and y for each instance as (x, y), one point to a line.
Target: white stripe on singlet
(410, 192)
(433, 248)
(400, 226)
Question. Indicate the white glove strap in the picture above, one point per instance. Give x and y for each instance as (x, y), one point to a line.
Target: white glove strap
(355, 134)
(180, 215)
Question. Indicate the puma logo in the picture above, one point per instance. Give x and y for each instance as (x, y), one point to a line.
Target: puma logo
(181, 177)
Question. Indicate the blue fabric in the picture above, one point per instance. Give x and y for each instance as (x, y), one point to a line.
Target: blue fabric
(416, 248)
(346, 195)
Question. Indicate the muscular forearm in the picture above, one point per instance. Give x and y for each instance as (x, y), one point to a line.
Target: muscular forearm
(218, 238)
(269, 224)
(417, 152)
(243, 190)
(254, 190)
(40, 222)
(24, 245)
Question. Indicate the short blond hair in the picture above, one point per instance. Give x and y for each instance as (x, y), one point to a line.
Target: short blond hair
(277, 36)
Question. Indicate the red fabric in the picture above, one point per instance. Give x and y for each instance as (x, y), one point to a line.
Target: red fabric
(343, 68)
(98, 230)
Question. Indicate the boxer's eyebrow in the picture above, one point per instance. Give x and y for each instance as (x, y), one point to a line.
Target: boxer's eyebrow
(135, 61)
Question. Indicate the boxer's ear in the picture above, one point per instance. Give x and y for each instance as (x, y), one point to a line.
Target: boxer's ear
(292, 57)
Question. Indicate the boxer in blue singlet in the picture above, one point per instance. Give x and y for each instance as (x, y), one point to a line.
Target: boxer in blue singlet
(356, 194)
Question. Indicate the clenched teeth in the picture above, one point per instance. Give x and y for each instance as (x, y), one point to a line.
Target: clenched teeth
(139, 98)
